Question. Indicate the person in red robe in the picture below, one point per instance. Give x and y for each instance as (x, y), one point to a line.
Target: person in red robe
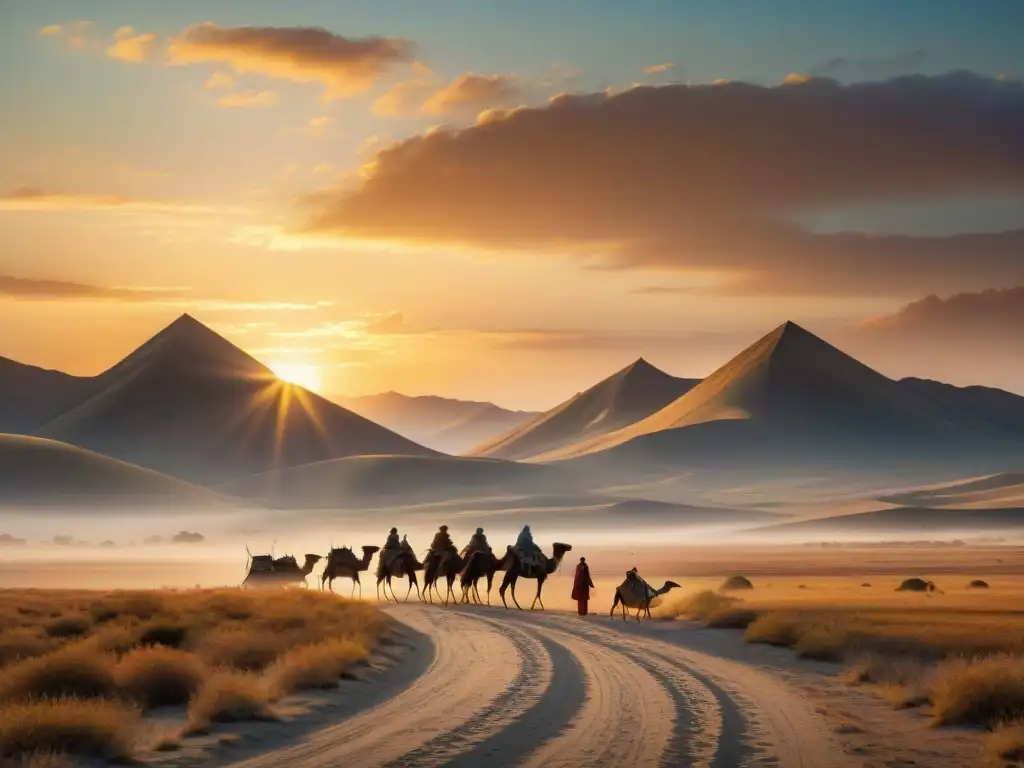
(581, 586)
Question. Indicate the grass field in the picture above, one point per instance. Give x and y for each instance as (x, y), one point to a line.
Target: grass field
(79, 671)
(959, 652)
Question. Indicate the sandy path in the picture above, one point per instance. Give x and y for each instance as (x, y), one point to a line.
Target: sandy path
(510, 688)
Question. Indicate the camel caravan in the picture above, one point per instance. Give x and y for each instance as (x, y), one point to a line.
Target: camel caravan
(442, 565)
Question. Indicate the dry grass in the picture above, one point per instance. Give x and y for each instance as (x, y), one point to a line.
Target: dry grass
(155, 676)
(982, 691)
(100, 729)
(77, 668)
(226, 698)
(315, 666)
(1006, 743)
(711, 608)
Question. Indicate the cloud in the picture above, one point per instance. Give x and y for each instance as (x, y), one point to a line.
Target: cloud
(318, 127)
(33, 199)
(404, 98)
(344, 66)
(906, 62)
(796, 78)
(75, 34)
(36, 289)
(247, 99)
(709, 179)
(52, 30)
(132, 46)
(662, 290)
(370, 324)
(964, 338)
(219, 80)
(657, 69)
(471, 92)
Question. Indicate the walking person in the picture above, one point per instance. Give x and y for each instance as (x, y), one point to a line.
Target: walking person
(581, 586)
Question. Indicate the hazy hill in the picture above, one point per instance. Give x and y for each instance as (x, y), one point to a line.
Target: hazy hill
(995, 407)
(37, 471)
(792, 400)
(903, 522)
(445, 424)
(29, 396)
(361, 481)
(191, 404)
(992, 492)
(623, 398)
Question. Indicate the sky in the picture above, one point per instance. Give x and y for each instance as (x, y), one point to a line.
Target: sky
(509, 201)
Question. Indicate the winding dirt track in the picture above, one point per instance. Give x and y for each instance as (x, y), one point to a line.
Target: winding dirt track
(509, 688)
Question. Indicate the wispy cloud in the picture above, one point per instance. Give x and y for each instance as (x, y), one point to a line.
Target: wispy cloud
(131, 46)
(428, 95)
(248, 99)
(658, 69)
(219, 80)
(42, 289)
(33, 199)
(344, 66)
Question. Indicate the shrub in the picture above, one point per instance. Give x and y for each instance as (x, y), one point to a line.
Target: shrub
(228, 697)
(18, 644)
(773, 628)
(823, 641)
(68, 626)
(1006, 742)
(982, 691)
(171, 635)
(100, 729)
(244, 650)
(315, 666)
(77, 672)
(737, 582)
(156, 676)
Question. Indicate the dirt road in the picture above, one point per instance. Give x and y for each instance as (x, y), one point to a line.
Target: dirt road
(505, 688)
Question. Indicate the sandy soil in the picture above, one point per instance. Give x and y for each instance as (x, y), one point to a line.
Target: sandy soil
(485, 686)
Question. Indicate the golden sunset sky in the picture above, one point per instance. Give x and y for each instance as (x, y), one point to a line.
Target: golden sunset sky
(509, 201)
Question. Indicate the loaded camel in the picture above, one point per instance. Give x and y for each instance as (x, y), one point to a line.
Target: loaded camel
(396, 564)
(343, 564)
(479, 565)
(265, 571)
(636, 593)
(442, 565)
(515, 569)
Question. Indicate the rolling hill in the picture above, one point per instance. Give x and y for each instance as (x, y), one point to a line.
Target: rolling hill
(627, 396)
(791, 400)
(996, 408)
(903, 523)
(30, 396)
(34, 471)
(191, 404)
(1000, 491)
(367, 481)
(441, 423)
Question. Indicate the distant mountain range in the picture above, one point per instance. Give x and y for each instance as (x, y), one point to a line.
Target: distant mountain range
(191, 405)
(444, 424)
(624, 398)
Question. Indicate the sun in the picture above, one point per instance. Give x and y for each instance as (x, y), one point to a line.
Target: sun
(303, 374)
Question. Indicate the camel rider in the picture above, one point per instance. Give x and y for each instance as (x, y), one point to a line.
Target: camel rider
(442, 542)
(477, 543)
(392, 547)
(528, 552)
(638, 583)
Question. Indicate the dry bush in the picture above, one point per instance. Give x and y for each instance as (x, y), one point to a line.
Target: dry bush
(69, 626)
(242, 649)
(226, 698)
(157, 676)
(775, 628)
(823, 640)
(43, 759)
(170, 634)
(23, 643)
(100, 729)
(315, 666)
(78, 672)
(981, 691)
(1006, 743)
(884, 670)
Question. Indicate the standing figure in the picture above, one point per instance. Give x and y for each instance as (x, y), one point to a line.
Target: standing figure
(581, 586)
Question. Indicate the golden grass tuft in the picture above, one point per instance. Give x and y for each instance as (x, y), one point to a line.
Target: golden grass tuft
(229, 697)
(774, 628)
(99, 729)
(981, 691)
(1006, 743)
(69, 626)
(72, 672)
(157, 676)
(315, 666)
(827, 640)
(43, 759)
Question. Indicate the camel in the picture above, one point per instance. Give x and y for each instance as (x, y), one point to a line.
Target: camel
(481, 564)
(403, 563)
(265, 571)
(343, 563)
(630, 597)
(446, 565)
(514, 570)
